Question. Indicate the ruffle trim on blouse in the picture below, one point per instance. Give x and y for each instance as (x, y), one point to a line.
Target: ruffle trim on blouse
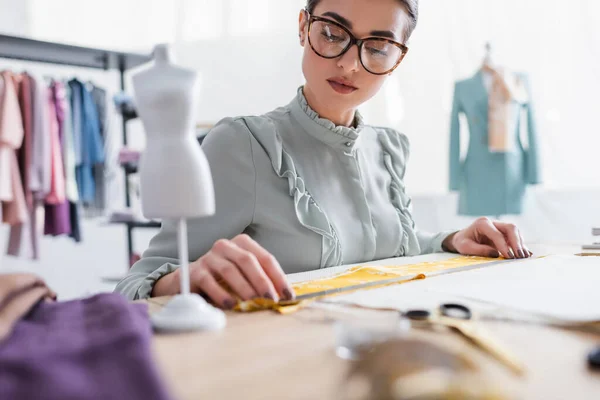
(394, 158)
(308, 212)
(350, 133)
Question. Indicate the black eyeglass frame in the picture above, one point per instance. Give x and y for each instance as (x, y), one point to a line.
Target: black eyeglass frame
(354, 41)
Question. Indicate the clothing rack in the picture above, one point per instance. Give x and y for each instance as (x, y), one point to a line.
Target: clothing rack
(19, 48)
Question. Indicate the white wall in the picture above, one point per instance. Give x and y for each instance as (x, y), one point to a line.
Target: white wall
(246, 78)
(15, 17)
(556, 45)
(248, 55)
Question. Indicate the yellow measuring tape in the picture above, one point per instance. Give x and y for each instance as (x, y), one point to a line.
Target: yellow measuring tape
(360, 275)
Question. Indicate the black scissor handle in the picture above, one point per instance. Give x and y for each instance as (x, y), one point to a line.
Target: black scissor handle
(417, 315)
(594, 359)
(454, 310)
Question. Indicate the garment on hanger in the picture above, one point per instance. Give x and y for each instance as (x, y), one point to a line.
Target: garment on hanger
(72, 189)
(41, 171)
(100, 99)
(92, 149)
(492, 182)
(14, 206)
(506, 90)
(25, 152)
(25, 155)
(57, 215)
(57, 193)
(52, 140)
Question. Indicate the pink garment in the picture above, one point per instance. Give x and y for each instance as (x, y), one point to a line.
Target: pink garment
(57, 194)
(57, 220)
(25, 164)
(14, 206)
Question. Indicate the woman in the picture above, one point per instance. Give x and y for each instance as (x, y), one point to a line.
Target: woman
(309, 185)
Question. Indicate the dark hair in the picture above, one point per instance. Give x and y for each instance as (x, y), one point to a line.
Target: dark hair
(411, 6)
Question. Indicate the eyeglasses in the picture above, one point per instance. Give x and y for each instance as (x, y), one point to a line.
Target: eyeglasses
(328, 39)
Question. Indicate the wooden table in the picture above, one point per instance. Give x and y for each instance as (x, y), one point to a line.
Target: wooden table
(270, 356)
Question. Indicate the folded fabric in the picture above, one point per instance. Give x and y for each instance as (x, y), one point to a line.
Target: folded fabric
(97, 348)
(18, 294)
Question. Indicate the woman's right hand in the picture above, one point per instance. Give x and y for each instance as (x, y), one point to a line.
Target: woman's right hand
(245, 266)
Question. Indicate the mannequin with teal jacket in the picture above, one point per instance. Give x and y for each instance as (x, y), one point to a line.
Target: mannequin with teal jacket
(490, 183)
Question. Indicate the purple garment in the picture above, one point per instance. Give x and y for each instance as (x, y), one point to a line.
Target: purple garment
(92, 349)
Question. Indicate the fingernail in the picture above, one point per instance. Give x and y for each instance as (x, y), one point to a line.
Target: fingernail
(521, 253)
(288, 294)
(494, 254)
(228, 304)
(268, 296)
(511, 253)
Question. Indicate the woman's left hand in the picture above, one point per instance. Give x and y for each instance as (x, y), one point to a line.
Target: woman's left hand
(488, 238)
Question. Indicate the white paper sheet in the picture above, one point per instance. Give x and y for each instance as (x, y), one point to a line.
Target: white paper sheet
(563, 287)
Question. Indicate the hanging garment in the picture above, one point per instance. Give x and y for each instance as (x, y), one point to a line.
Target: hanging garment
(14, 206)
(70, 162)
(69, 148)
(99, 98)
(75, 216)
(25, 155)
(507, 95)
(41, 168)
(77, 118)
(25, 152)
(92, 149)
(57, 216)
(57, 193)
(490, 183)
(91, 349)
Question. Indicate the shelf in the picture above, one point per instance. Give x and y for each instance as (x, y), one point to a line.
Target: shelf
(595, 246)
(141, 224)
(18, 48)
(137, 224)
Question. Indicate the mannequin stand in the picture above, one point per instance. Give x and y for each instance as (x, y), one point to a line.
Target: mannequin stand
(187, 311)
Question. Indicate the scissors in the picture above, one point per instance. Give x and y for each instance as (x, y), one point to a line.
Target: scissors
(460, 318)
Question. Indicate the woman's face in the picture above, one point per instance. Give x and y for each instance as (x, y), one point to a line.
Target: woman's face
(343, 83)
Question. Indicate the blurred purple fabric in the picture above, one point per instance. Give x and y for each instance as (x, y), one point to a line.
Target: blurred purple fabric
(97, 348)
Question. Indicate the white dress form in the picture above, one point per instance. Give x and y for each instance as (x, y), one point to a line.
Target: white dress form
(174, 173)
(176, 181)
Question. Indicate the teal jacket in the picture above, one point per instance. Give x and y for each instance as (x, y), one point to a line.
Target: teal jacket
(490, 184)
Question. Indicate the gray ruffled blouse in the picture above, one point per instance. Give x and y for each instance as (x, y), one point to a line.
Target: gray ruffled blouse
(313, 194)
